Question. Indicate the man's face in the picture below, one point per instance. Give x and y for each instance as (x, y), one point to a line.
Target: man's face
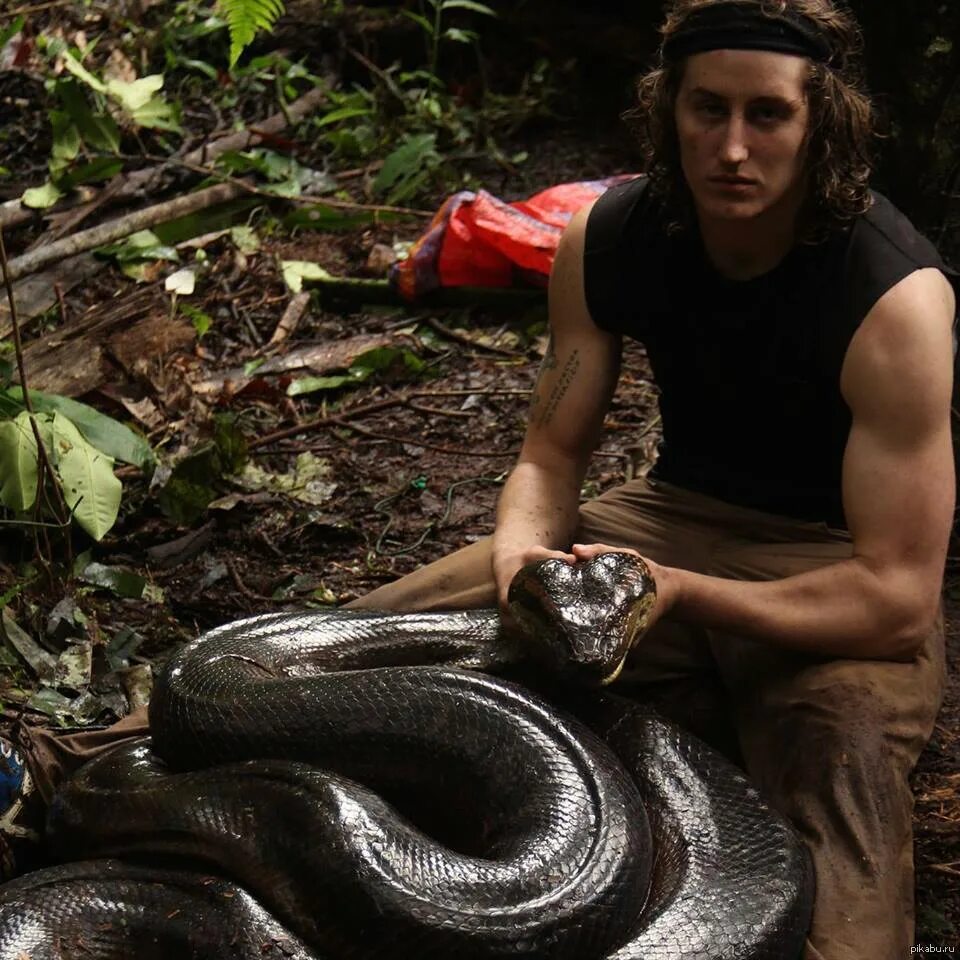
(741, 119)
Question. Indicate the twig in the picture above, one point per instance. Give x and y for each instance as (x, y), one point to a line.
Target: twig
(58, 290)
(322, 422)
(458, 337)
(291, 317)
(438, 412)
(238, 582)
(36, 7)
(375, 407)
(388, 81)
(451, 451)
(470, 393)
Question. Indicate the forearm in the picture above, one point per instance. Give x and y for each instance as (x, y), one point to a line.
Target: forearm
(539, 506)
(841, 610)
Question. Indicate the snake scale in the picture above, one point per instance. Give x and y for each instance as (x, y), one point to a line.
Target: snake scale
(354, 785)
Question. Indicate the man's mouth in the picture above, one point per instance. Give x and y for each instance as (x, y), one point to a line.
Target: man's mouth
(733, 181)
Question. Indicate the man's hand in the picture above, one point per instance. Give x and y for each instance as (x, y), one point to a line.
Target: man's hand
(666, 579)
(507, 563)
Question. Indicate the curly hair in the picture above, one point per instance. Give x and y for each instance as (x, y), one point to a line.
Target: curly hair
(840, 135)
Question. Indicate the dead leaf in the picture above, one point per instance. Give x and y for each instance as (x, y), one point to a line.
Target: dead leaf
(119, 67)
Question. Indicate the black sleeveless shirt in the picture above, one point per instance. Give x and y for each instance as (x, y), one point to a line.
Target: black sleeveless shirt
(748, 371)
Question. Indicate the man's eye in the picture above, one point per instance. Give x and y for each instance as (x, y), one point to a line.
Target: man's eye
(710, 109)
(767, 114)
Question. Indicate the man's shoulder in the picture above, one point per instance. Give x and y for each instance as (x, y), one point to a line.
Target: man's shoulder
(884, 248)
(619, 212)
(884, 229)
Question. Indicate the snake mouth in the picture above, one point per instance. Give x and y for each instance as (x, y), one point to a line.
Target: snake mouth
(615, 673)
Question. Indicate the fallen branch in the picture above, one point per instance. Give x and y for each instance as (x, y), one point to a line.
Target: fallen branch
(122, 227)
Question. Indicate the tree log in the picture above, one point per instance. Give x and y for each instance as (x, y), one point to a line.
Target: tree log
(122, 227)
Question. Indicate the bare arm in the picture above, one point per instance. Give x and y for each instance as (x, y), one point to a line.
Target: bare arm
(538, 509)
(898, 494)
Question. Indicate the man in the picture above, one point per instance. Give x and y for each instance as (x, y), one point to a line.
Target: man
(797, 519)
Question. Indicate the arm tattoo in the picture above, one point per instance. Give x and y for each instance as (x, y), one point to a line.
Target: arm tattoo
(544, 416)
(549, 363)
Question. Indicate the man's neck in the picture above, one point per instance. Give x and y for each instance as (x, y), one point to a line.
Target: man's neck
(744, 249)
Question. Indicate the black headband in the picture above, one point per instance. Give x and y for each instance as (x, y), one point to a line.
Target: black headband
(740, 26)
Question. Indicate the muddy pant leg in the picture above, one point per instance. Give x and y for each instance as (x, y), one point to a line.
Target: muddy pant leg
(53, 756)
(831, 744)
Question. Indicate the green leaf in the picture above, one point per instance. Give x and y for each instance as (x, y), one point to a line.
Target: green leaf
(459, 36)
(201, 321)
(296, 271)
(306, 385)
(18, 464)
(99, 130)
(190, 486)
(157, 114)
(344, 113)
(143, 245)
(116, 579)
(66, 140)
(245, 239)
(102, 168)
(322, 217)
(244, 18)
(82, 73)
(939, 45)
(134, 94)
(421, 20)
(406, 161)
(108, 435)
(11, 30)
(385, 358)
(90, 489)
(286, 188)
(468, 5)
(39, 198)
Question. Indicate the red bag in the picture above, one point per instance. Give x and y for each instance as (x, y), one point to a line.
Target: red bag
(477, 240)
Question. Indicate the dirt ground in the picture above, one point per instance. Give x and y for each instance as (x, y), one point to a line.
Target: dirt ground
(406, 466)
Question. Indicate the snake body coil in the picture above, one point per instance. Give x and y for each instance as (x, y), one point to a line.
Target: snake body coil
(382, 810)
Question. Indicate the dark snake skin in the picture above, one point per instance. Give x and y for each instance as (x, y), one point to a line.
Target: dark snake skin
(407, 811)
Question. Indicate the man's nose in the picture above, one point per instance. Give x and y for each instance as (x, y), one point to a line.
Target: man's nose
(733, 149)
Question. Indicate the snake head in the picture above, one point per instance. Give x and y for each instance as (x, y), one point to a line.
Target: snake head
(583, 618)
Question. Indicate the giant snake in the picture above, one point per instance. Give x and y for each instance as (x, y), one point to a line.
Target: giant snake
(357, 785)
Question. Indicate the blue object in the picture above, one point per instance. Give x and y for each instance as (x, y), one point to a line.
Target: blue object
(12, 775)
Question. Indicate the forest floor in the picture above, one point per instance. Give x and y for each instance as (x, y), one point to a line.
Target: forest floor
(337, 491)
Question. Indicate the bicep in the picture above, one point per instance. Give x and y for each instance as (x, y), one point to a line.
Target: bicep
(580, 368)
(898, 474)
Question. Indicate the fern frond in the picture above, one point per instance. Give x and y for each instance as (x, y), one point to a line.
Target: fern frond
(245, 17)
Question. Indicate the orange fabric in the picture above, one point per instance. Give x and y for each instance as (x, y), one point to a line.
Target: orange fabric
(478, 240)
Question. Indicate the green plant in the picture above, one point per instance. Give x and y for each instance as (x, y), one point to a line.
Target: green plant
(431, 21)
(246, 17)
(88, 127)
(81, 446)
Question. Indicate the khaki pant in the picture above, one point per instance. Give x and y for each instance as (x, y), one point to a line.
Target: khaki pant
(830, 743)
